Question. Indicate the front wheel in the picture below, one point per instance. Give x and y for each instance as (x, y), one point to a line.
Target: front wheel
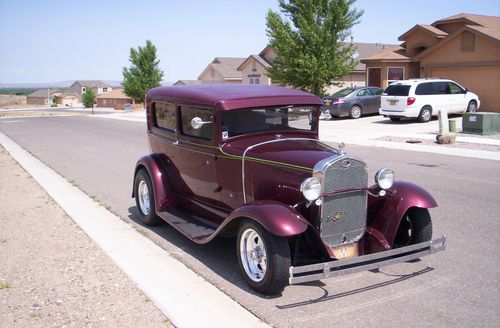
(472, 106)
(415, 227)
(144, 199)
(355, 112)
(264, 258)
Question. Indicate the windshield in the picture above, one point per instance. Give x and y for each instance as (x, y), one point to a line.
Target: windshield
(343, 92)
(288, 118)
(397, 90)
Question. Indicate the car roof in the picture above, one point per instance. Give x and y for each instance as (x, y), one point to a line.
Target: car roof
(232, 96)
(416, 81)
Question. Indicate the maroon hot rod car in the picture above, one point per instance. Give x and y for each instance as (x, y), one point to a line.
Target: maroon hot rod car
(245, 161)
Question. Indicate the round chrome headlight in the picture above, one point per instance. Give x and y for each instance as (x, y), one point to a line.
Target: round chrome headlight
(384, 178)
(311, 189)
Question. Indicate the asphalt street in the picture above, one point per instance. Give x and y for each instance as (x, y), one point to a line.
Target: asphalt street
(458, 287)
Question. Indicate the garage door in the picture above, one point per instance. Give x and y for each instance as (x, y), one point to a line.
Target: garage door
(483, 81)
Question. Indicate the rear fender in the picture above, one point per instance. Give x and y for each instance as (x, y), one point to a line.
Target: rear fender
(163, 196)
(385, 213)
(277, 218)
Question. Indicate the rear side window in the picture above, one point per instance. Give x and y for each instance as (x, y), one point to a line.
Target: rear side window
(188, 113)
(397, 90)
(165, 116)
(425, 89)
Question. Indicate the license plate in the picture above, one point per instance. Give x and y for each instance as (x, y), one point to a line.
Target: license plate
(393, 102)
(345, 251)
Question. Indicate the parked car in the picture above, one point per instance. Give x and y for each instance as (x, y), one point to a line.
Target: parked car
(353, 102)
(245, 161)
(423, 98)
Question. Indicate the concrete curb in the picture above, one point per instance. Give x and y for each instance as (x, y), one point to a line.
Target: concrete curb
(184, 297)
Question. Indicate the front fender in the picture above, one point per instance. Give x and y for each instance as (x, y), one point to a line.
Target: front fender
(385, 213)
(163, 196)
(277, 218)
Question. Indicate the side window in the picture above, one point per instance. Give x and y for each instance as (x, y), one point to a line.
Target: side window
(364, 93)
(441, 88)
(188, 113)
(455, 89)
(424, 89)
(165, 116)
(376, 92)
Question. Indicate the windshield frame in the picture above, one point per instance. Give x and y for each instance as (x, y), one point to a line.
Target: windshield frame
(315, 111)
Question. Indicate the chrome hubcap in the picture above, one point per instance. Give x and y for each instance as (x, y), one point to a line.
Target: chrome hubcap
(253, 255)
(356, 112)
(426, 115)
(143, 194)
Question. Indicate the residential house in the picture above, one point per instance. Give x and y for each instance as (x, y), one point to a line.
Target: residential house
(187, 82)
(254, 68)
(67, 99)
(116, 99)
(222, 70)
(42, 97)
(463, 47)
(80, 86)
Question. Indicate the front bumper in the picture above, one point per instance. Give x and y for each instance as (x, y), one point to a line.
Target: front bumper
(366, 262)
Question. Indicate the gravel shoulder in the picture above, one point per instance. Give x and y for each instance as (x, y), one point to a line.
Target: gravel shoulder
(51, 273)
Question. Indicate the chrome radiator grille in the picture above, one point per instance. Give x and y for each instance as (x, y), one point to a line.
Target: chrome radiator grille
(343, 215)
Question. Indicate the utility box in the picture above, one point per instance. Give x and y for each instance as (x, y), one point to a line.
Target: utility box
(481, 123)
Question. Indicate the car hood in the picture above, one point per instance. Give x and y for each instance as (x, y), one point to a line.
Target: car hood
(291, 152)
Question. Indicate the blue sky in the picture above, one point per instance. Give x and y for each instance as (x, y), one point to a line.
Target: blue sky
(56, 40)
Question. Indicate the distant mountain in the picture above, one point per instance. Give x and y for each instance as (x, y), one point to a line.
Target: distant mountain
(60, 84)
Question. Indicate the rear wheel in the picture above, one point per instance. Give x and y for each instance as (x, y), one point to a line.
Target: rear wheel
(355, 112)
(415, 227)
(264, 258)
(472, 106)
(425, 114)
(144, 199)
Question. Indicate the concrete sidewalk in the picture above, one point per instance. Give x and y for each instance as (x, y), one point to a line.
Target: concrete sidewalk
(376, 131)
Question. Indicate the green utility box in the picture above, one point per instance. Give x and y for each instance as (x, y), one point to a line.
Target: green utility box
(481, 123)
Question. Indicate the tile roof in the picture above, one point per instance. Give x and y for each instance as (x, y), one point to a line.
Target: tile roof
(393, 54)
(43, 93)
(227, 66)
(92, 83)
(427, 28)
(257, 58)
(114, 94)
(483, 20)
(364, 50)
(488, 31)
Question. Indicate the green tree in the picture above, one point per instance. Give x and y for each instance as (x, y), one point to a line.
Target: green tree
(88, 97)
(307, 38)
(143, 73)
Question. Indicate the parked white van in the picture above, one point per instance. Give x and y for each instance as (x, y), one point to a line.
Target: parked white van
(423, 98)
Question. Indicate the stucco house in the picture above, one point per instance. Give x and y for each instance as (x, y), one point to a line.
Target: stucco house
(67, 99)
(80, 86)
(254, 68)
(222, 70)
(42, 97)
(463, 47)
(116, 99)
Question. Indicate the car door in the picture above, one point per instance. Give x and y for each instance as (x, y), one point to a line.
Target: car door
(376, 93)
(197, 154)
(366, 100)
(459, 101)
(442, 99)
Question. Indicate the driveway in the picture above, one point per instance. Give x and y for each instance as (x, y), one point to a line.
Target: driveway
(458, 286)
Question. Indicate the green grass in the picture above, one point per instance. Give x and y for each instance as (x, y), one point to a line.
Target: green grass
(4, 284)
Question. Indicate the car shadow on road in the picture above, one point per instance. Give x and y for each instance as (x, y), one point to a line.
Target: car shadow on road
(219, 255)
(327, 297)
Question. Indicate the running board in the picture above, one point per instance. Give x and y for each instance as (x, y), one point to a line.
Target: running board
(366, 262)
(188, 225)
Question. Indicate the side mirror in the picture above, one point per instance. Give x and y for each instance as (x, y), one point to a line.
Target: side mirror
(197, 123)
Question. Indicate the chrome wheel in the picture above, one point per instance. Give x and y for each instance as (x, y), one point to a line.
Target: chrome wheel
(253, 255)
(425, 115)
(143, 194)
(355, 112)
(472, 107)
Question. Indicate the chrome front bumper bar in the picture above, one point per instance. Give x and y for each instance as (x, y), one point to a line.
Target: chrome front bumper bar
(366, 262)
